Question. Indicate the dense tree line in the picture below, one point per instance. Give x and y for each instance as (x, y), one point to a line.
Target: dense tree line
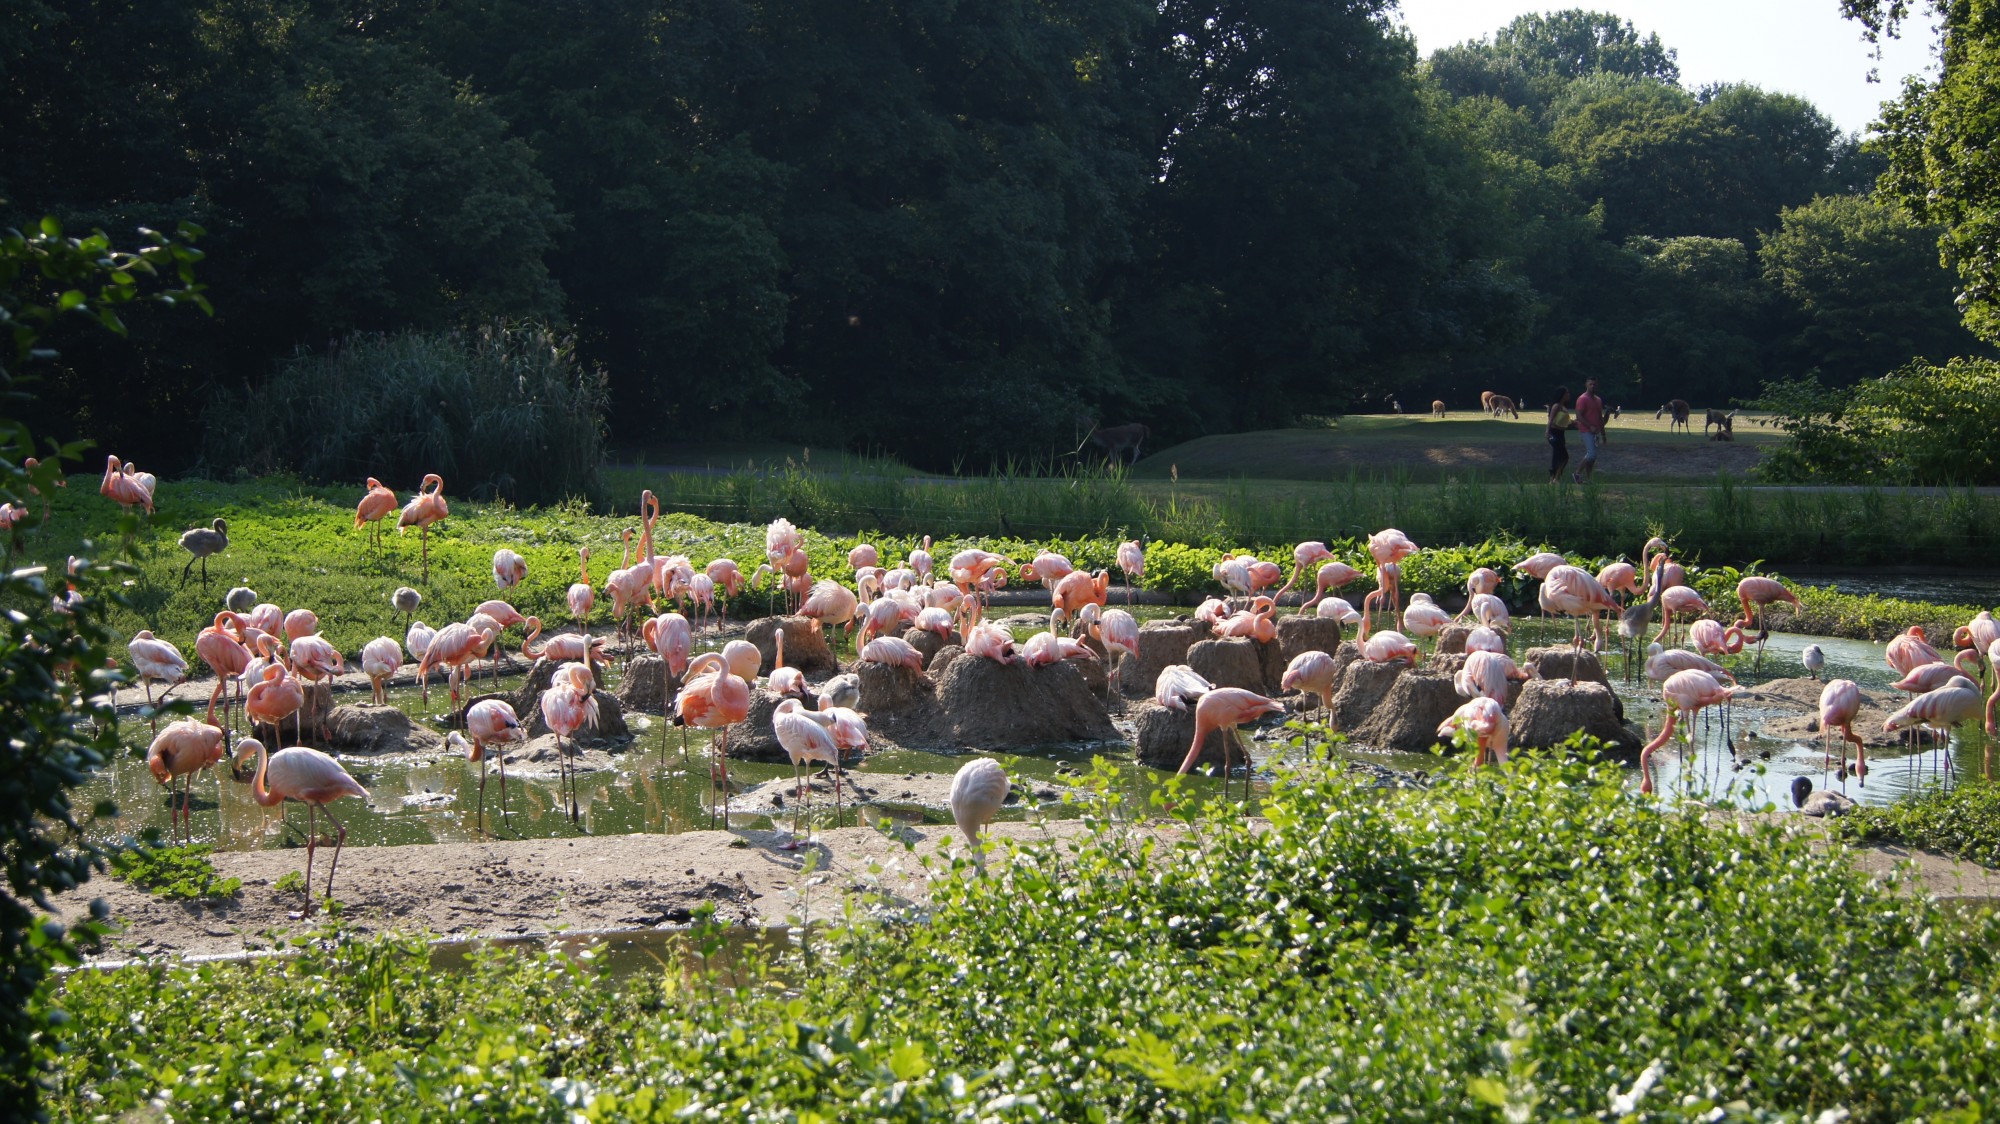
(951, 230)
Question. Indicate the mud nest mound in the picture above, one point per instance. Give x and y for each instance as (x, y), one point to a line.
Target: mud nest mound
(1801, 698)
(929, 643)
(1163, 736)
(1232, 662)
(986, 705)
(805, 645)
(1407, 717)
(645, 686)
(609, 729)
(1446, 663)
(378, 729)
(1565, 662)
(1452, 640)
(943, 660)
(537, 757)
(1160, 644)
(1551, 710)
(1300, 633)
(1361, 687)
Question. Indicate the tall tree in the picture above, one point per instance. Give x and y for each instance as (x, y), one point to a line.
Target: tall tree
(1536, 56)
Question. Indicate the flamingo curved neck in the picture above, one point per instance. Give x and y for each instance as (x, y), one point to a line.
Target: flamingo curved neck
(258, 792)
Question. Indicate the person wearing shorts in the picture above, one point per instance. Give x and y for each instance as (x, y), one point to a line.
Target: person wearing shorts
(1590, 423)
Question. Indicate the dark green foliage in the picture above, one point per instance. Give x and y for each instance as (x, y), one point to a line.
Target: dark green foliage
(174, 873)
(1961, 820)
(1921, 424)
(1529, 942)
(500, 411)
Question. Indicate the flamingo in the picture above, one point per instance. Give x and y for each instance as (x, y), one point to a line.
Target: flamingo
(1481, 582)
(1931, 676)
(221, 647)
(1685, 694)
(380, 658)
(1312, 672)
(1711, 638)
(1839, 702)
(314, 660)
(200, 542)
(30, 464)
(805, 738)
(418, 640)
(1132, 561)
(990, 641)
(1571, 591)
(1424, 617)
(1226, 708)
(1490, 612)
(1821, 803)
(1663, 572)
(1661, 666)
(376, 503)
(273, 698)
(425, 508)
(504, 617)
(788, 681)
(1388, 646)
(728, 579)
(1953, 704)
(489, 722)
(1329, 577)
(569, 704)
(1978, 634)
(405, 601)
(1118, 631)
(183, 749)
(1484, 639)
(1233, 574)
(713, 699)
(156, 661)
(564, 647)
(1303, 555)
(1620, 577)
(893, 651)
(455, 646)
(124, 490)
(1077, 589)
(1048, 568)
(830, 605)
(1486, 721)
(1486, 674)
(1911, 650)
(878, 619)
(920, 560)
(580, 598)
(1337, 609)
(1178, 685)
(1757, 593)
(300, 622)
(1537, 566)
(864, 555)
(509, 568)
(978, 790)
(1813, 659)
(1680, 599)
(313, 779)
(1256, 623)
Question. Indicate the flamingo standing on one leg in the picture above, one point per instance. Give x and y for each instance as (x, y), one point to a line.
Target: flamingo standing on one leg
(568, 705)
(375, 505)
(1226, 708)
(714, 699)
(425, 508)
(489, 722)
(509, 568)
(977, 791)
(804, 739)
(1838, 704)
(1685, 693)
(1132, 561)
(1118, 631)
(580, 596)
(313, 779)
(1812, 658)
(380, 658)
(183, 749)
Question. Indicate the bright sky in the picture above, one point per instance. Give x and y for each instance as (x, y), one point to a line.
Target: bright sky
(1799, 47)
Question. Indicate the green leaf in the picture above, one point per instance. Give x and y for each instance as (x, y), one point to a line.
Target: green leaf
(1487, 1091)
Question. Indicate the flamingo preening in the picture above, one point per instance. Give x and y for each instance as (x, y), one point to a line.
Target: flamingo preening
(425, 508)
(375, 505)
(569, 704)
(714, 699)
(488, 722)
(180, 751)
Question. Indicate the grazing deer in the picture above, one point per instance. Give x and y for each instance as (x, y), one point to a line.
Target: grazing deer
(1115, 442)
(1725, 424)
(1679, 409)
(1437, 407)
(1498, 404)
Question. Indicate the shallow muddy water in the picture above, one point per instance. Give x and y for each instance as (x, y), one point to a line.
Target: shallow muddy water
(656, 785)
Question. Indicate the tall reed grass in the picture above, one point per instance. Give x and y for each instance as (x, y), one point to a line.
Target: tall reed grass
(502, 410)
(1723, 520)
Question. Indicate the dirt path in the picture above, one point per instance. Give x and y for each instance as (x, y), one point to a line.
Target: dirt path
(636, 883)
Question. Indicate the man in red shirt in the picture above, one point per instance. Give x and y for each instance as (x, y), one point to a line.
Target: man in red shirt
(1590, 423)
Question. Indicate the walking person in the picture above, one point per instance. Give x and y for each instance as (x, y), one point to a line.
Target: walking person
(1589, 422)
(1560, 421)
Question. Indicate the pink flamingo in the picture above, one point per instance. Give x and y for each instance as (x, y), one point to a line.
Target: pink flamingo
(1078, 589)
(1537, 566)
(1303, 555)
(124, 490)
(489, 722)
(564, 647)
(1758, 593)
(569, 704)
(1048, 568)
(221, 647)
(580, 597)
(1118, 631)
(425, 508)
(183, 749)
(1484, 639)
(1839, 702)
(375, 506)
(1481, 582)
(156, 661)
(455, 647)
(1178, 685)
(1337, 609)
(1486, 674)
(1931, 676)
(1571, 591)
(509, 568)
(920, 560)
(1620, 577)
(275, 697)
(1387, 548)
(380, 658)
(300, 622)
(713, 699)
(1711, 638)
(1424, 617)
(1953, 704)
(418, 639)
(830, 605)
(1490, 612)
(1487, 722)
(978, 790)
(1910, 651)
(990, 641)
(1662, 665)
(1226, 708)
(786, 681)
(1312, 672)
(1685, 693)
(313, 779)
(1329, 577)
(1132, 561)
(806, 736)
(1389, 646)
(893, 651)
(1680, 599)
(863, 556)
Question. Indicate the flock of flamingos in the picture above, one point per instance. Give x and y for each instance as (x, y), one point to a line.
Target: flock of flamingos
(273, 657)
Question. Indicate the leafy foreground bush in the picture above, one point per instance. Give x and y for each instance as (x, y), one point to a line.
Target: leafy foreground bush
(1919, 424)
(1963, 820)
(1526, 943)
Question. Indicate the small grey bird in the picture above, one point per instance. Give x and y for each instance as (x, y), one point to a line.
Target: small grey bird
(242, 599)
(1825, 802)
(202, 542)
(1814, 659)
(405, 601)
(841, 690)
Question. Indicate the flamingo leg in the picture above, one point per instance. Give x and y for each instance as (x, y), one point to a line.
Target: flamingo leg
(339, 841)
(312, 844)
(503, 786)
(482, 796)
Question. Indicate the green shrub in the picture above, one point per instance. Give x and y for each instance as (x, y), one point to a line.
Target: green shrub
(1962, 820)
(1921, 424)
(502, 411)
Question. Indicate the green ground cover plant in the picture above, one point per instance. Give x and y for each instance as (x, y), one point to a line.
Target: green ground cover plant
(1520, 943)
(175, 873)
(1962, 820)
